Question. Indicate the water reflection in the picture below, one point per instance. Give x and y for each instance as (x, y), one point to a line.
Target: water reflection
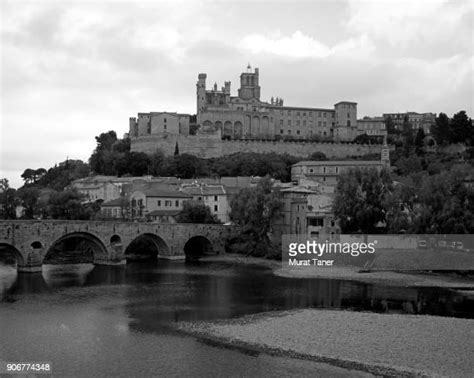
(163, 292)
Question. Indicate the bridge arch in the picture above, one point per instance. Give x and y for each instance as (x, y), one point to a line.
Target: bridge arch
(95, 246)
(146, 246)
(10, 254)
(196, 247)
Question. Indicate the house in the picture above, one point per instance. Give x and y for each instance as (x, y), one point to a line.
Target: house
(327, 172)
(162, 216)
(118, 208)
(144, 202)
(213, 196)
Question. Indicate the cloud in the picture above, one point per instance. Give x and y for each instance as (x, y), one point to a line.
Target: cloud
(425, 29)
(299, 45)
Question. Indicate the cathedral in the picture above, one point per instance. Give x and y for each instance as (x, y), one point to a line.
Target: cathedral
(226, 124)
(246, 116)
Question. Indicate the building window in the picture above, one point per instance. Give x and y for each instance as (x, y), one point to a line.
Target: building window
(167, 203)
(281, 122)
(215, 207)
(348, 123)
(337, 170)
(164, 120)
(319, 123)
(348, 115)
(297, 113)
(289, 112)
(304, 123)
(289, 131)
(316, 222)
(164, 127)
(297, 123)
(215, 198)
(177, 203)
(281, 131)
(304, 114)
(333, 223)
(148, 128)
(159, 202)
(289, 122)
(298, 132)
(324, 114)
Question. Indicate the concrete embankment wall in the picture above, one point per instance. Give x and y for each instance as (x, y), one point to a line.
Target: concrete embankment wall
(411, 253)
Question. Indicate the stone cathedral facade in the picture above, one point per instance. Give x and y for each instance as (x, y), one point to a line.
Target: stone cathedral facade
(225, 124)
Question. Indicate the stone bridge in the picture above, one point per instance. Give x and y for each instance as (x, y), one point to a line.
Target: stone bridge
(32, 240)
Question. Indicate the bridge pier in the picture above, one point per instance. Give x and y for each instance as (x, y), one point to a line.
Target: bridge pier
(33, 262)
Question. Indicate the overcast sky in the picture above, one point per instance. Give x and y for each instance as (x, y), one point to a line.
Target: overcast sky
(71, 70)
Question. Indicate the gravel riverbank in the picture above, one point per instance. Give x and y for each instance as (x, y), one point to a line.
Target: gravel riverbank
(383, 344)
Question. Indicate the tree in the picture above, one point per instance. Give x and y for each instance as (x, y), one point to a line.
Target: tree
(101, 160)
(188, 166)
(438, 203)
(196, 212)
(367, 139)
(419, 141)
(461, 128)
(137, 163)
(68, 205)
(8, 200)
(408, 165)
(360, 198)
(446, 204)
(318, 156)
(156, 163)
(390, 126)
(29, 199)
(256, 209)
(176, 149)
(28, 176)
(60, 176)
(441, 130)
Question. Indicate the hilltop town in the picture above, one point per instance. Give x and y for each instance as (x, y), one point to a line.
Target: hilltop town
(308, 162)
(226, 124)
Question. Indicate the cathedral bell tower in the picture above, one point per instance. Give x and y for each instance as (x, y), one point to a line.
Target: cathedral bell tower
(249, 87)
(201, 92)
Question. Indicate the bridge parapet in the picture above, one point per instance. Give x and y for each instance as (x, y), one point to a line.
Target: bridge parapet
(32, 240)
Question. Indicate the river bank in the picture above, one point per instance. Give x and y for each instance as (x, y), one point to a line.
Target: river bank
(390, 278)
(388, 344)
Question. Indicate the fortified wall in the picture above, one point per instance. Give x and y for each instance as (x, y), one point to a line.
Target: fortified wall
(206, 146)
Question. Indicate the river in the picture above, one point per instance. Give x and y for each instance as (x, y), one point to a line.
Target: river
(101, 320)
